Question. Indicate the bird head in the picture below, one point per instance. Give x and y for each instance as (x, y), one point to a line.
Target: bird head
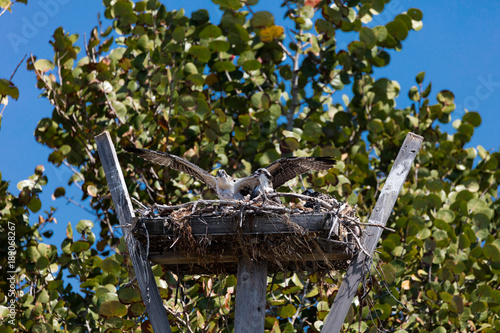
(263, 173)
(221, 173)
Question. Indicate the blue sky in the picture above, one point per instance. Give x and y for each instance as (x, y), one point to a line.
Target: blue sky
(458, 48)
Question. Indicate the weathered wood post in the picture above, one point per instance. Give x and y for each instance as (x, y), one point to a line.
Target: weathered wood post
(123, 207)
(360, 265)
(251, 286)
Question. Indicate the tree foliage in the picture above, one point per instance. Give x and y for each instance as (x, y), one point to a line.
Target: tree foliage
(239, 94)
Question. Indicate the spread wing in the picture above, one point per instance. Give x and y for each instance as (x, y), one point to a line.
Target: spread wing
(246, 185)
(175, 162)
(287, 168)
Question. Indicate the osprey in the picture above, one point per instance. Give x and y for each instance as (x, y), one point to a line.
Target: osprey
(228, 187)
(265, 186)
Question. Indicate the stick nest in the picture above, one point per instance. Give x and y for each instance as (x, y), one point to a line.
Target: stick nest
(293, 247)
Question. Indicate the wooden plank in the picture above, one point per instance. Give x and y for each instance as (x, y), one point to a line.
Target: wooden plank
(251, 286)
(177, 259)
(360, 265)
(123, 208)
(228, 225)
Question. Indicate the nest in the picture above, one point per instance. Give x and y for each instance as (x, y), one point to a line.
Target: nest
(209, 236)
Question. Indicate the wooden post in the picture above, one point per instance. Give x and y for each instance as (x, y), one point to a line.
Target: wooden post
(123, 207)
(360, 265)
(250, 300)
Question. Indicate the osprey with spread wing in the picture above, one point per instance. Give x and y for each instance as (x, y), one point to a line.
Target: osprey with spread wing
(228, 187)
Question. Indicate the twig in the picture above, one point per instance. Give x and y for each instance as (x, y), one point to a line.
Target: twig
(285, 49)
(303, 197)
(301, 305)
(138, 203)
(76, 172)
(79, 205)
(177, 316)
(128, 225)
(14, 72)
(369, 224)
(360, 246)
(19, 64)
(277, 209)
(384, 283)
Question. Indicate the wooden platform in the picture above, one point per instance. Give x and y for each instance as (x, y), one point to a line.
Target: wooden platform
(218, 236)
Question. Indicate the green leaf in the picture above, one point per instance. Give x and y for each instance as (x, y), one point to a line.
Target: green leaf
(446, 97)
(219, 45)
(84, 225)
(121, 110)
(200, 52)
(111, 266)
(112, 309)
(210, 31)
(59, 192)
(7, 88)
(397, 29)
(478, 307)
(35, 204)
(79, 246)
(179, 34)
(457, 303)
(491, 252)
(381, 311)
(446, 215)
(312, 131)
(129, 295)
(230, 4)
(376, 126)
(42, 263)
(43, 65)
(472, 118)
(463, 241)
(262, 19)
(386, 88)
(420, 78)
(415, 14)
(414, 94)
(69, 231)
(427, 90)
(367, 36)
(286, 311)
(291, 290)
(251, 65)
(431, 294)
(221, 66)
(378, 5)
(196, 79)
(389, 273)
(380, 33)
(440, 329)
(447, 297)
(290, 144)
(42, 328)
